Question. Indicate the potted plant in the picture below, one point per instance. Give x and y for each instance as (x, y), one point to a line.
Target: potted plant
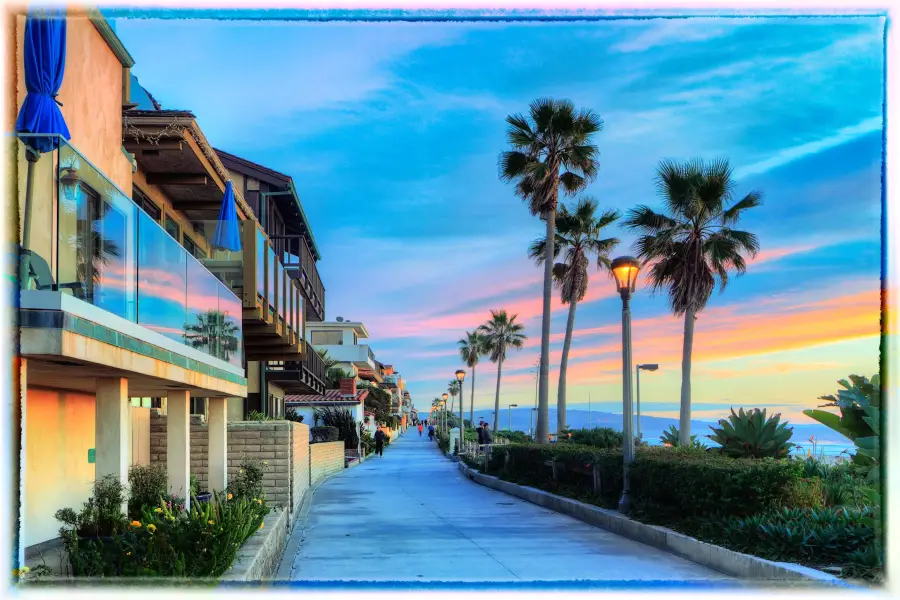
(196, 494)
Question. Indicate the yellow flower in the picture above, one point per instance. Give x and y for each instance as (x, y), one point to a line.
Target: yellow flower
(258, 501)
(265, 462)
(229, 496)
(15, 572)
(263, 524)
(128, 554)
(151, 527)
(135, 523)
(25, 569)
(158, 510)
(211, 522)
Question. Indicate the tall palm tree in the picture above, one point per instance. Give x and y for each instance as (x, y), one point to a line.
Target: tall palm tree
(454, 389)
(578, 233)
(692, 246)
(471, 348)
(500, 333)
(551, 150)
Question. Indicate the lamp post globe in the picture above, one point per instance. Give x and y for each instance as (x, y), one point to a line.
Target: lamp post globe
(625, 270)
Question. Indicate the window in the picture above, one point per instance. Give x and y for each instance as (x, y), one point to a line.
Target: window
(190, 246)
(198, 406)
(355, 339)
(172, 228)
(326, 338)
(146, 204)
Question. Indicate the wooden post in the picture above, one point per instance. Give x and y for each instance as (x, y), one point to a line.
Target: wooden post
(596, 473)
(486, 450)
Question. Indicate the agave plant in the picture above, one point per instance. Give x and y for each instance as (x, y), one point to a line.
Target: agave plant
(669, 437)
(752, 434)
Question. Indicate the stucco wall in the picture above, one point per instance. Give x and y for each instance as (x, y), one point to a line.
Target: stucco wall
(299, 465)
(59, 431)
(325, 459)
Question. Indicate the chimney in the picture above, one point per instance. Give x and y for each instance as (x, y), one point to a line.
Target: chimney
(348, 387)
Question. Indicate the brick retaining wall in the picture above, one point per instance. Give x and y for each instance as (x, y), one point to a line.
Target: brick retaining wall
(325, 459)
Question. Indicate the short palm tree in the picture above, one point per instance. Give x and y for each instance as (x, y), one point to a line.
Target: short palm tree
(500, 333)
(692, 246)
(550, 150)
(578, 234)
(471, 348)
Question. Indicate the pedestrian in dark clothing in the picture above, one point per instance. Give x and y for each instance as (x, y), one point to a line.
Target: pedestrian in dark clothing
(480, 432)
(379, 442)
(431, 432)
(486, 435)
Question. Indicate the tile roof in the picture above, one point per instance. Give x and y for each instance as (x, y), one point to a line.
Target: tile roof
(329, 397)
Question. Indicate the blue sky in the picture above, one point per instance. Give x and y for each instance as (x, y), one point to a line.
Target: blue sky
(391, 132)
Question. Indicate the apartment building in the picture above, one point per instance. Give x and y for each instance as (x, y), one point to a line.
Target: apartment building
(117, 309)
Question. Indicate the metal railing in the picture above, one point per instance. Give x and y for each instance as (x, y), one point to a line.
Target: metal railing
(294, 252)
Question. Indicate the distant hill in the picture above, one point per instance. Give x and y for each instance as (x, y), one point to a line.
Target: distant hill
(652, 427)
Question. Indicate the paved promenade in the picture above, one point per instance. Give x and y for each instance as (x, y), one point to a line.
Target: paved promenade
(411, 516)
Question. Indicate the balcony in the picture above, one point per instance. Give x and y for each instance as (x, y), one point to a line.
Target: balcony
(299, 377)
(360, 356)
(93, 254)
(272, 303)
(300, 264)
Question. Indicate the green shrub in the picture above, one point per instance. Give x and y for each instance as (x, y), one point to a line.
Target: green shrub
(343, 420)
(824, 536)
(323, 434)
(752, 434)
(685, 482)
(516, 437)
(599, 437)
(255, 415)
(367, 442)
(148, 484)
(292, 414)
(101, 515)
(247, 484)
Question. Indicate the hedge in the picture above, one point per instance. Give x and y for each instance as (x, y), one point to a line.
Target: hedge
(664, 481)
(323, 434)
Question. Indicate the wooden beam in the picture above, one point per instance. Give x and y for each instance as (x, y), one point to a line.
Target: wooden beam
(135, 146)
(198, 205)
(177, 178)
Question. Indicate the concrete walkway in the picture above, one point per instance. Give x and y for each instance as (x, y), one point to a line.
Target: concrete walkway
(411, 516)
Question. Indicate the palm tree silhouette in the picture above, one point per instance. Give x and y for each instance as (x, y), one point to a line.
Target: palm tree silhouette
(501, 332)
(471, 348)
(692, 247)
(578, 234)
(551, 150)
(214, 332)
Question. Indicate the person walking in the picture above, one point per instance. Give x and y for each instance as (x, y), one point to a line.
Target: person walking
(480, 432)
(420, 430)
(486, 435)
(379, 442)
(431, 432)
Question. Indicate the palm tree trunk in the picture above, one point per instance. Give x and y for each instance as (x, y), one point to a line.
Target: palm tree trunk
(543, 418)
(472, 400)
(684, 424)
(497, 396)
(563, 365)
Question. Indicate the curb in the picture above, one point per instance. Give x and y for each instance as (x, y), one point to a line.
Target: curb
(295, 537)
(721, 559)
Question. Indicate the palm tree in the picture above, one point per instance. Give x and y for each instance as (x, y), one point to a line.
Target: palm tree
(500, 333)
(213, 333)
(692, 246)
(454, 388)
(471, 348)
(578, 234)
(551, 150)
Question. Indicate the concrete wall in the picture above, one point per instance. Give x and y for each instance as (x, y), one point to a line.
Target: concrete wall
(59, 431)
(325, 459)
(300, 463)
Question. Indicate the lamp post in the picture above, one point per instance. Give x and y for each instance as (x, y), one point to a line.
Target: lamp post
(530, 423)
(444, 397)
(625, 270)
(460, 376)
(509, 415)
(637, 371)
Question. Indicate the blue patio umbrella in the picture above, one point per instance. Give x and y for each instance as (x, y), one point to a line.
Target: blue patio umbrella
(44, 52)
(228, 234)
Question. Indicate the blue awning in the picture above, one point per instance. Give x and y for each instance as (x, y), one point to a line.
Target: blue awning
(45, 60)
(228, 232)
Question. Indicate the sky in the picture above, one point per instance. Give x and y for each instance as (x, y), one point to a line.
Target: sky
(391, 132)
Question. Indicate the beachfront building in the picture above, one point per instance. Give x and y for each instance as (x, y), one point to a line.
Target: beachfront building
(291, 248)
(116, 309)
(340, 339)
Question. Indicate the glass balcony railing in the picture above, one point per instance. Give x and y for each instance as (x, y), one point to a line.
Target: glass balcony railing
(256, 267)
(85, 237)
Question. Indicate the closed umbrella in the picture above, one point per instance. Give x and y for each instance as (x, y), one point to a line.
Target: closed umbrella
(44, 52)
(228, 234)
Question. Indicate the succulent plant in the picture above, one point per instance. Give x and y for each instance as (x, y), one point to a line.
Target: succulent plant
(669, 437)
(753, 434)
